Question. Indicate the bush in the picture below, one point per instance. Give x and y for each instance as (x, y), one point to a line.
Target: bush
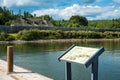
(94, 35)
(35, 34)
(3, 36)
(117, 34)
(108, 34)
(6, 37)
(10, 38)
(23, 35)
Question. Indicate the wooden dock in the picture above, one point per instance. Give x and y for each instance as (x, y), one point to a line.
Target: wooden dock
(19, 73)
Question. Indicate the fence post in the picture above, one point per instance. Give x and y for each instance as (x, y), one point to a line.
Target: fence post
(10, 59)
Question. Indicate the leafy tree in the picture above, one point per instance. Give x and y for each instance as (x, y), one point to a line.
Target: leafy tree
(77, 21)
(46, 17)
(27, 15)
(100, 24)
(5, 15)
(116, 23)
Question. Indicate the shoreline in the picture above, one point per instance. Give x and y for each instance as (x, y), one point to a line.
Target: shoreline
(58, 40)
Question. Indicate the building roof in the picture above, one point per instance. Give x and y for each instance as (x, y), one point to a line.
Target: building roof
(31, 22)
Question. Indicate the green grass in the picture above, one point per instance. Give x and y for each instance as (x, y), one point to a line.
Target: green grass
(13, 34)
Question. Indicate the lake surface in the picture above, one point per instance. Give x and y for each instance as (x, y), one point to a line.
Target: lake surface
(43, 58)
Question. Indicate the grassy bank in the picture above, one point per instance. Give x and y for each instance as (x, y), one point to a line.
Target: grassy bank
(35, 34)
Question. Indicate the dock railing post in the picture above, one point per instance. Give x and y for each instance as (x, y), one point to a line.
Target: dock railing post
(10, 59)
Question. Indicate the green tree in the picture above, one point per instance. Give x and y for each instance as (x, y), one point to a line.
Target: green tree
(5, 15)
(46, 17)
(116, 23)
(27, 14)
(77, 21)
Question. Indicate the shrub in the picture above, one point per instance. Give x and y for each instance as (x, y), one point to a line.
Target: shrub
(35, 34)
(5, 37)
(59, 34)
(23, 35)
(94, 34)
(108, 34)
(10, 38)
(83, 34)
(116, 35)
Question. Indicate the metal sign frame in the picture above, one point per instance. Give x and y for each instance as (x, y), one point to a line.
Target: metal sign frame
(92, 60)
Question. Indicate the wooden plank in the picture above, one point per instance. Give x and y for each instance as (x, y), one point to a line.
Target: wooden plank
(19, 73)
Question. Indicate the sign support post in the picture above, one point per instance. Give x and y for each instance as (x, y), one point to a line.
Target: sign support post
(68, 71)
(94, 72)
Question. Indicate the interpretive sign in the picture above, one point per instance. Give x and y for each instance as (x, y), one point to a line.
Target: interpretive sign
(79, 54)
(82, 55)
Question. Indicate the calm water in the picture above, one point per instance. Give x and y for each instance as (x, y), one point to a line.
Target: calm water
(42, 58)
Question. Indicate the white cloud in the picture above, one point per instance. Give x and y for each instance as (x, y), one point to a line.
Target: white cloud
(91, 12)
(9, 3)
(44, 12)
(118, 1)
(109, 14)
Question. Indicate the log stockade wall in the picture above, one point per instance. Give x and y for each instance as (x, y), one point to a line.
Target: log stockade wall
(15, 29)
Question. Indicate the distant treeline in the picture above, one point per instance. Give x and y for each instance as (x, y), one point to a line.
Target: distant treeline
(7, 17)
(35, 34)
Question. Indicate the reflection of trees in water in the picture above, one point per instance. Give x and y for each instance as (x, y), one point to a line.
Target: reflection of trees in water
(3, 51)
(110, 45)
(3, 48)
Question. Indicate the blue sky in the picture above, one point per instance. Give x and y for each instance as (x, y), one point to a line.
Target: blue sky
(64, 9)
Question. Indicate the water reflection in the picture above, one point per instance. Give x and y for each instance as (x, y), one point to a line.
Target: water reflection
(57, 46)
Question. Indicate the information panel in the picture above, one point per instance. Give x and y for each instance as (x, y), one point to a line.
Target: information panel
(79, 54)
